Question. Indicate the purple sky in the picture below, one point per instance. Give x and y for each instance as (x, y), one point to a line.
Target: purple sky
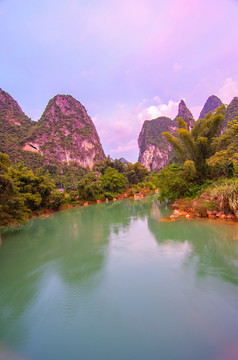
(125, 60)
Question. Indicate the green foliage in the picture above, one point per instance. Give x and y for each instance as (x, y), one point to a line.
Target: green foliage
(197, 145)
(225, 160)
(14, 126)
(176, 181)
(12, 206)
(70, 176)
(189, 170)
(196, 150)
(171, 182)
(181, 123)
(152, 133)
(89, 187)
(101, 166)
(225, 193)
(56, 199)
(4, 163)
(86, 131)
(35, 190)
(135, 173)
(113, 181)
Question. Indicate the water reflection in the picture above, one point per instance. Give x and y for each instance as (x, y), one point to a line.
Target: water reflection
(115, 274)
(51, 254)
(212, 245)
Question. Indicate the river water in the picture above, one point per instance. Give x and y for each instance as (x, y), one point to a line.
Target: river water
(120, 281)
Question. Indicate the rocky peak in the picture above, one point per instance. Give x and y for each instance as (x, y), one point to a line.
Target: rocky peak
(212, 103)
(14, 125)
(10, 111)
(231, 111)
(65, 133)
(185, 114)
(154, 150)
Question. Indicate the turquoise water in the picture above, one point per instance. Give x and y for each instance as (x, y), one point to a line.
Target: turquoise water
(120, 281)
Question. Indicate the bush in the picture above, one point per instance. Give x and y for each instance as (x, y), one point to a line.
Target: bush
(171, 183)
(56, 200)
(113, 181)
(225, 193)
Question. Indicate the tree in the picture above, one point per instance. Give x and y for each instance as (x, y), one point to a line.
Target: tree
(89, 188)
(135, 173)
(35, 190)
(12, 208)
(224, 162)
(197, 146)
(171, 182)
(113, 181)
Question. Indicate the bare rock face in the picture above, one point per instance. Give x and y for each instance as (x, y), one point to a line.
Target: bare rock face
(154, 150)
(65, 133)
(185, 114)
(231, 111)
(212, 103)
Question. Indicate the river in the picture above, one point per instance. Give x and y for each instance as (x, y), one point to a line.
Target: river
(120, 281)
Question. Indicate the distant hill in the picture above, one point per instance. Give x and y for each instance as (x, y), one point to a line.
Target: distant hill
(185, 114)
(64, 134)
(154, 150)
(15, 126)
(212, 103)
(231, 111)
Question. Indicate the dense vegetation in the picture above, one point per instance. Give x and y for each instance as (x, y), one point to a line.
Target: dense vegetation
(152, 130)
(206, 166)
(24, 192)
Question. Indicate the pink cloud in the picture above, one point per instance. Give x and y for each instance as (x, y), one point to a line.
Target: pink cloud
(121, 135)
(228, 90)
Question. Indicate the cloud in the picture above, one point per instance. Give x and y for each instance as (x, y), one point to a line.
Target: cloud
(228, 90)
(154, 111)
(119, 135)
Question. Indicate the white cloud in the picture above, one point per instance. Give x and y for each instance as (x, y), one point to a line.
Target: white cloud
(119, 135)
(154, 111)
(228, 90)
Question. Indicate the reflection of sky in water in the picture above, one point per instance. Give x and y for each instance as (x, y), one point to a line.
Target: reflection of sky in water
(118, 277)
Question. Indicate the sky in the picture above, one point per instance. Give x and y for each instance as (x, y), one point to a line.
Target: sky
(126, 61)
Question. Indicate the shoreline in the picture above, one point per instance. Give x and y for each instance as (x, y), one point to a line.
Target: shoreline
(191, 213)
(44, 213)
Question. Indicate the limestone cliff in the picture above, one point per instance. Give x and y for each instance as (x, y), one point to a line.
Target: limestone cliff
(65, 133)
(14, 125)
(185, 114)
(212, 103)
(154, 150)
(11, 112)
(231, 111)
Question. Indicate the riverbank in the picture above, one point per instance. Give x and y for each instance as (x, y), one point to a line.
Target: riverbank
(128, 194)
(217, 202)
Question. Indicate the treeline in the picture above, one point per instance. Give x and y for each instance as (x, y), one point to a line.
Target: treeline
(24, 193)
(205, 167)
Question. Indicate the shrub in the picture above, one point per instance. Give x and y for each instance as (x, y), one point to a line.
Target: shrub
(225, 194)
